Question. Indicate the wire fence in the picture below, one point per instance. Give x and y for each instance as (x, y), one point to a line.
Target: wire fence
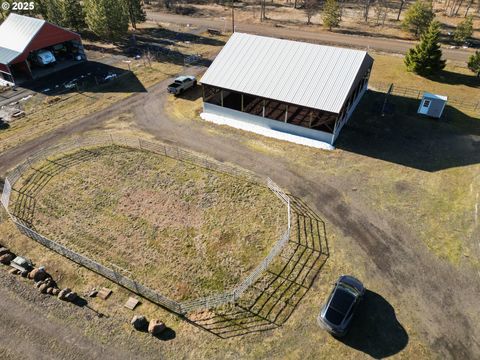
(207, 302)
(414, 93)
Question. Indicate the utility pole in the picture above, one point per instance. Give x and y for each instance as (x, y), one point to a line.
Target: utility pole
(233, 17)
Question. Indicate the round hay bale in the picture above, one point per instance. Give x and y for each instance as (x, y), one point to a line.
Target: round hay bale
(55, 291)
(50, 290)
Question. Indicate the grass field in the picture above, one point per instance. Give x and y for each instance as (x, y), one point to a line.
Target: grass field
(455, 81)
(422, 170)
(178, 228)
(298, 338)
(418, 172)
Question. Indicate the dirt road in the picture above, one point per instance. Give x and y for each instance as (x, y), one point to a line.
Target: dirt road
(439, 298)
(26, 332)
(323, 37)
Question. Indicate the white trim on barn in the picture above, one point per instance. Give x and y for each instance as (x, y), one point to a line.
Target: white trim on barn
(266, 127)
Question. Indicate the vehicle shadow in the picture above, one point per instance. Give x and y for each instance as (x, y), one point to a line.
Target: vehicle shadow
(403, 137)
(375, 329)
(270, 302)
(192, 94)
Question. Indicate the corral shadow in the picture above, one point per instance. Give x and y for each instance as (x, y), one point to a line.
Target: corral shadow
(23, 202)
(91, 76)
(375, 329)
(270, 302)
(403, 137)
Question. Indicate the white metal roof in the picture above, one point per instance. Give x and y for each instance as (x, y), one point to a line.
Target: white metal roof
(16, 32)
(434, 96)
(305, 74)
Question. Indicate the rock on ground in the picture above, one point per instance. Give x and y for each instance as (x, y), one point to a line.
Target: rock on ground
(156, 327)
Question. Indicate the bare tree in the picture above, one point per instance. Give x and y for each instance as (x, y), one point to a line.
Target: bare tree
(262, 10)
(366, 10)
(452, 7)
(402, 4)
(381, 12)
(311, 7)
(469, 5)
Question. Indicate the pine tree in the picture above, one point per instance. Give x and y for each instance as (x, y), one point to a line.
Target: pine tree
(474, 63)
(332, 14)
(464, 30)
(426, 57)
(106, 18)
(136, 13)
(418, 17)
(52, 12)
(73, 15)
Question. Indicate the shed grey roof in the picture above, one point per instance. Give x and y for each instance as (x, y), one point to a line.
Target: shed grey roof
(16, 32)
(305, 74)
(435, 96)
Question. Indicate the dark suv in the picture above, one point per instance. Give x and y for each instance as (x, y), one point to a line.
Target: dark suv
(336, 315)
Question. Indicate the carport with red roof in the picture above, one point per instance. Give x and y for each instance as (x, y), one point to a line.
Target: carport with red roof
(22, 36)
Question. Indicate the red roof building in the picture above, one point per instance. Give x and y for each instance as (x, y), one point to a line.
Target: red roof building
(21, 36)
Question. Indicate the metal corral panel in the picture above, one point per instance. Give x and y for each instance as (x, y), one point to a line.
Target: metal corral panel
(17, 31)
(315, 76)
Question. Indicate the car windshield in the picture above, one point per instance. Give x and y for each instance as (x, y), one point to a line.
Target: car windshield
(339, 305)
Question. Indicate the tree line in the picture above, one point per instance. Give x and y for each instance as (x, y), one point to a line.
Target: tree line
(426, 57)
(377, 8)
(105, 18)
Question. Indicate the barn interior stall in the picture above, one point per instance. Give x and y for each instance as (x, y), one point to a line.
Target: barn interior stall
(281, 111)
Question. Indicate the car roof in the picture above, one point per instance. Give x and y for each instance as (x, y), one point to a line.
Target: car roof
(341, 301)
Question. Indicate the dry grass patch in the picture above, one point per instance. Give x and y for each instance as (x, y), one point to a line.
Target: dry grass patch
(176, 227)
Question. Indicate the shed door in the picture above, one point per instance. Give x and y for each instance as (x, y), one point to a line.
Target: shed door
(424, 106)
